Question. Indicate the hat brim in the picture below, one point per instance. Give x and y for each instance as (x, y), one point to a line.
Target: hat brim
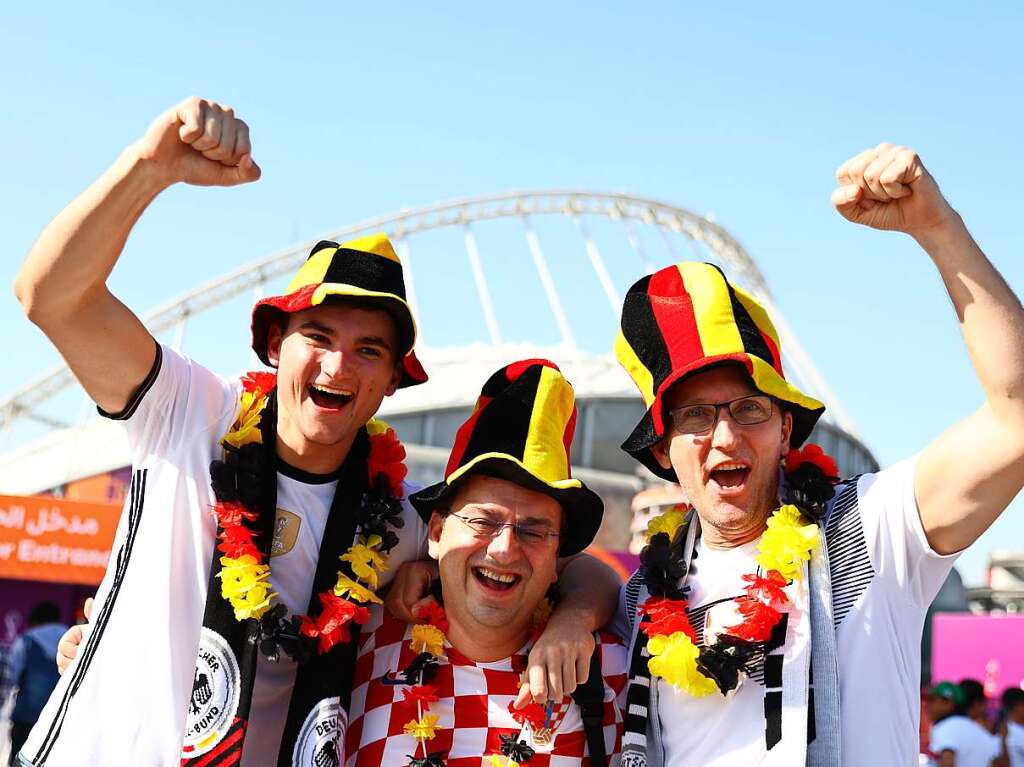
(582, 506)
(650, 430)
(270, 309)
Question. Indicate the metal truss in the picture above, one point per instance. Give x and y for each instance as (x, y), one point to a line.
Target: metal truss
(576, 204)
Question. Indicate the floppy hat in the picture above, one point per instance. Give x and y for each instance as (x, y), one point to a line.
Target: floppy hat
(684, 319)
(367, 269)
(521, 430)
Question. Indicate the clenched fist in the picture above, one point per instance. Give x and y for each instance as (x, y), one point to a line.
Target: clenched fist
(199, 142)
(888, 187)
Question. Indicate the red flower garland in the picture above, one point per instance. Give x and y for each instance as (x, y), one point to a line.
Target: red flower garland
(812, 454)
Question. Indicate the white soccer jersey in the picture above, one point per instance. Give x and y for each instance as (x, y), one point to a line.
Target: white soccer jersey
(125, 697)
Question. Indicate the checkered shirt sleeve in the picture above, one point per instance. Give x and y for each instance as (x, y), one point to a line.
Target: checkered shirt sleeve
(473, 705)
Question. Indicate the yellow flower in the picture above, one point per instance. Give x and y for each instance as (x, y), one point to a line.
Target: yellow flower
(787, 543)
(422, 729)
(667, 522)
(244, 584)
(375, 426)
(246, 427)
(674, 659)
(498, 760)
(427, 638)
(348, 587)
(363, 560)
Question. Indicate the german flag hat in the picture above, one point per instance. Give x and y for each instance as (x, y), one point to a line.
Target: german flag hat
(521, 430)
(688, 317)
(367, 269)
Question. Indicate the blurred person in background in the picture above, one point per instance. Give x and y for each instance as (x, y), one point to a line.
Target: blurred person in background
(1013, 737)
(957, 740)
(976, 704)
(31, 670)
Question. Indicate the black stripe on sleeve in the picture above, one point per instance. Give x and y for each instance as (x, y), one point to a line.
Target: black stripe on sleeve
(136, 399)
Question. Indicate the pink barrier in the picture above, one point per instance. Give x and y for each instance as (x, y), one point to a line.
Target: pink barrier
(989, 648)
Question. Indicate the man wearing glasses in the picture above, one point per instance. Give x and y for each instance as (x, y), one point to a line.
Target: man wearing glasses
(442, 692)
(780, 623)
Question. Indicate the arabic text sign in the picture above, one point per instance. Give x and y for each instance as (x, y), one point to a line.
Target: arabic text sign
(49, 539)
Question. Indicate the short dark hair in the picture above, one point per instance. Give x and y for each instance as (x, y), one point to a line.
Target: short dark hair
(974, 691)
(44, 612)
(1012, 698)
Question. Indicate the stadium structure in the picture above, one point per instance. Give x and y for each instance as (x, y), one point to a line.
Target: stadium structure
(491, 279)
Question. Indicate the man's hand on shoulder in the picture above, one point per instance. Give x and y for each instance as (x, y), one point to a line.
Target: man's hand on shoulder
(199, 142)
(559, 661)
(889, 188)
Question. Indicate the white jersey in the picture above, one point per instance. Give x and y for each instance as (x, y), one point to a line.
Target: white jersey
(125, 697)
(973, 745)
(1015, 743)
(884, 576)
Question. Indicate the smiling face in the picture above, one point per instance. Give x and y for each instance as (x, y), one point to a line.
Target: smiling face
(493, 585)
(730, 474)
(335, 364)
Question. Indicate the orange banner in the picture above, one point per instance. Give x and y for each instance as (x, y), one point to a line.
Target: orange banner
(50, 539)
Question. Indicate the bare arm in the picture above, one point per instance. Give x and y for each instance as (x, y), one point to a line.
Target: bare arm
(969, 474)
(560, 660)
(62, 284)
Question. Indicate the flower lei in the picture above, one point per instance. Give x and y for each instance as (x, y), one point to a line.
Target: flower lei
(244, 571)
(786, 544)
(428, 640)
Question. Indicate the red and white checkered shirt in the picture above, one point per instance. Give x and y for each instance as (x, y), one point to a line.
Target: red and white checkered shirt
(473, 705)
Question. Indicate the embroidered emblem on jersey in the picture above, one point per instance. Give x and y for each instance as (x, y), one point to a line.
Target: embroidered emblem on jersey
(215, 689)
(286, 532)
(319, 743)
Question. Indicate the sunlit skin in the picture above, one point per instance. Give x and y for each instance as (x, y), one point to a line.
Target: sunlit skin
(488, 624)
(937, 707)
(345, 349)
(735, 512)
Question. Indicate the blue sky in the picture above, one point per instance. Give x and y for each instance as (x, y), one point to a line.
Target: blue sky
(722, 108)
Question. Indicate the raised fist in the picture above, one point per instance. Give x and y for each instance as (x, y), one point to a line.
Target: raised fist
(888, 187)
(199, 142)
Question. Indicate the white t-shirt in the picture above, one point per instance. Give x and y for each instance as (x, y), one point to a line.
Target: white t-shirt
(973, 745)
(884, 576)
(1015, 743)
(125, 697)
(722, 737)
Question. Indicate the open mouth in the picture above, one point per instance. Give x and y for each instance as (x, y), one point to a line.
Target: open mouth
(730, 476)
(495, 581)
(329, 399)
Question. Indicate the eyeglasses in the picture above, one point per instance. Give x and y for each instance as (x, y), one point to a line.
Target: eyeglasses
(701, 418)
(528, 535)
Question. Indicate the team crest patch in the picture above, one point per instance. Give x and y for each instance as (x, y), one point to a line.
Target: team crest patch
(542, 739)
(320, 741)
(215, 689)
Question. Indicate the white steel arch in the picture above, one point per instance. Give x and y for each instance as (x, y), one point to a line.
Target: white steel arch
(575, 204)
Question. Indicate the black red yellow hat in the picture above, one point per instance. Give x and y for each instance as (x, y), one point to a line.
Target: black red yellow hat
(368, 269)
(521, 430)
(688, 317)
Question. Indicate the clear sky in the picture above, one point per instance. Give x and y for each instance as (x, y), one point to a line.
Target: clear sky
(723, 108)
